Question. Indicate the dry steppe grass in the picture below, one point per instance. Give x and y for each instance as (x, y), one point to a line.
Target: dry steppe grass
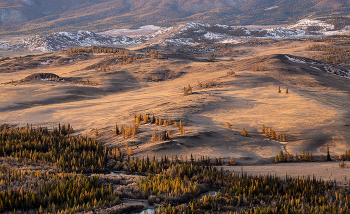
(313, 114)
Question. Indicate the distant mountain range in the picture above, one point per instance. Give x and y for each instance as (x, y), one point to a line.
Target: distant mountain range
(181, 34)
(23, 17)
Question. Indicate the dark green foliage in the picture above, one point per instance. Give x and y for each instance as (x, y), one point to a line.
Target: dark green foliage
(164, 184)
(70, 153)
(328, 155)
(60, 191)
(259, 194)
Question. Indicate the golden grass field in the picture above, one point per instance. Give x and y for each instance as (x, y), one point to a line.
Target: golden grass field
(315, 113)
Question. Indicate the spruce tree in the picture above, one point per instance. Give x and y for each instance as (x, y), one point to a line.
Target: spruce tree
(116, 129)
(328, 155)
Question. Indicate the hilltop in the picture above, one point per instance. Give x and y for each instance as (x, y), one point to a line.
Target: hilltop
(23, 17)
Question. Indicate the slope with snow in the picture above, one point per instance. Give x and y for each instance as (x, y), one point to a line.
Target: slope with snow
(64, 40)
(184, 34)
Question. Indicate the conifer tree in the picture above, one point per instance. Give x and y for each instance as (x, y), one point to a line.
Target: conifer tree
(328, 155)
(154, 135)
(288, 158)
(232, 162)
(145, 118)
(311, 158)
(284, 139)
(281, 157)
(286, 90)
(185, 91)
(279, 89)
(244, 132)
(129, 151)
(273, 135)
(168, 134)
(96, 132)
(116, 129)
(276, 159)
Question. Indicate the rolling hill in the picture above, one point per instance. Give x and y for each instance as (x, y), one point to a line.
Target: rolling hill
(23, 17)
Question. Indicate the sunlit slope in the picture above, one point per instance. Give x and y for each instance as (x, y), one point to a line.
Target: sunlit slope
(313, 114)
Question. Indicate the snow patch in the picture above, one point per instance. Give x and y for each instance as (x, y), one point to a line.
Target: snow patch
(294, 59)
(271, 8)
(231, 41)
(210, 35)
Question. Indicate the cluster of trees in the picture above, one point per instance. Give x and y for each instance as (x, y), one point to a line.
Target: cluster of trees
(260, 194)
(244, 132)
(161, 135)
(221, 162)
(65, 192)
(288, 158)
(208, 84)
(131, 131)
(347, 155)
(154, 166)
(153, 54)
(103, 68)
(4, 127)
(128, 131)
(69, 153)
(164, 184)
(230, 73)
(93, 49)
(181, 128)
(166, 76)
(279, 90)
(333, 54)
(257, 68)
(304, 156)
(187, 90)
(270, 133)
(153, 120)
(256, 41)
(173, 176)
(283, 157)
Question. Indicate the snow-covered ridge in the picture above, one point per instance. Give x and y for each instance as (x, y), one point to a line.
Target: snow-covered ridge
(64, 40)
(331, 69)
(305, 23)
(190, 33)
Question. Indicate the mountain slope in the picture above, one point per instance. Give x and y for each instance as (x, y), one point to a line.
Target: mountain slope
(39, 16)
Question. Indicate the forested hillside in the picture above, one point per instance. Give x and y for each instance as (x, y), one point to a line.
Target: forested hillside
(39, 16)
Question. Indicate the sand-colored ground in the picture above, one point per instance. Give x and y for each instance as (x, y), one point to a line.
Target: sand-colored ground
(327, 171)
(314, 113)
